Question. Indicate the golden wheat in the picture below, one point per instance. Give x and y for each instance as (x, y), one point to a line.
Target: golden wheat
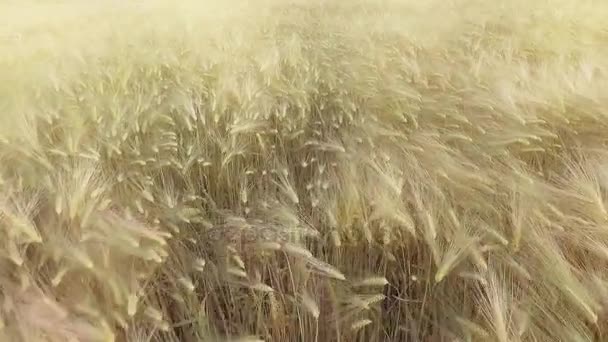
(304, 170)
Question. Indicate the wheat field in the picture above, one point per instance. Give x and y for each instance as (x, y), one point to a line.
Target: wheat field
(304, 170)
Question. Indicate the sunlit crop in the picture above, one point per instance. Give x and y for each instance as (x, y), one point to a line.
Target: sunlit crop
(290, 170)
